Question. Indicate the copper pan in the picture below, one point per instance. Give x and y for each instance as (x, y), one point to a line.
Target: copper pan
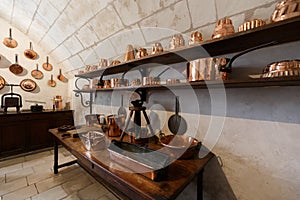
(61, 77)
(47, 66)
(16, 68)
(36, 73)
(9, 41)
(2, 82)
(30, 53)
(52, 82)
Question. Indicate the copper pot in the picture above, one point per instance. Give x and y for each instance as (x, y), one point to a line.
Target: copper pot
(9, 41)
(30, 53)
(115, 125)
(47, 66)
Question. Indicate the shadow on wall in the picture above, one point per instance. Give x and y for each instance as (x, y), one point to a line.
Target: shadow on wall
(215, 184)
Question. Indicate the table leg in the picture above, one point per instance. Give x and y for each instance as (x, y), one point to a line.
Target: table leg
(55, 167)
(200, 185)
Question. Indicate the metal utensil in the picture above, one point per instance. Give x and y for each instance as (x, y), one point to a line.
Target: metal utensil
(30, 53)
(47, 66)
(9, 41)
(122, 110)
(176, 123)
(36, 73)
(16, 68)
(52, 82)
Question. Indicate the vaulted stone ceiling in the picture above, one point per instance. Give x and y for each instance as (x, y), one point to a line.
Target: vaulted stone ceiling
(71, 30)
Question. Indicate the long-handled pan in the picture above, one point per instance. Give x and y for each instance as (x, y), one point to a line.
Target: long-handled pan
(16, 68)
(122, 110)
(47, 66)
(176, 123)
(30, 53)
(9, 41)
(36, 73)
(52, 82)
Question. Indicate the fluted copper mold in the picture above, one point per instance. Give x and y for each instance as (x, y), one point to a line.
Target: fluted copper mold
(177, 40)
(129, 55)
(250, 24)
(195, 38)
(223, 27)
(286, 68)
(286, 9)
(103, 63)
(157, 48)
(142, 52)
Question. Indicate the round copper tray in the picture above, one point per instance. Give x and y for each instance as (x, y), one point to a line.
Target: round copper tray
(28, 85)
(2, 82)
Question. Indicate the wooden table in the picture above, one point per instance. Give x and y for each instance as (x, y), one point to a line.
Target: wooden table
(129, 185)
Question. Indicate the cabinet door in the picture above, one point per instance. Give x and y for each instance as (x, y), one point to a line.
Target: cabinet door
(12, 138)
(38, 134)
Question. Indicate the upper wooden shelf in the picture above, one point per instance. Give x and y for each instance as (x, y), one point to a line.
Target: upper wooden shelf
(281, 32)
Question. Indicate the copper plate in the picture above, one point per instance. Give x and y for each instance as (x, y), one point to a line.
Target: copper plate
(2, 82)
(16, 69)
(28, 85)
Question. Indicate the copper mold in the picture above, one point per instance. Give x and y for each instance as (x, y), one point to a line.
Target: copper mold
(157, 48)
(195, 38)
(177, 40)
(287, 68)
(251, 24)
(129, 53)
(286, 9)
(223, 28)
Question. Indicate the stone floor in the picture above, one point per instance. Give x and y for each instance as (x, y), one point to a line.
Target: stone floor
(32, 178)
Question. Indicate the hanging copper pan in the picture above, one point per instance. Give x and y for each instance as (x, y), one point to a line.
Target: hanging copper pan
(9, 41)
(47, 66)
(16, 68)
(30, 53)
(28, 85)
(36, 73)
(2, 82)
(61, 77)
(52, 82)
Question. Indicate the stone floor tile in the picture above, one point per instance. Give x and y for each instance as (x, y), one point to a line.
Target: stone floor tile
(22, 193)
(39, 176)
(111, 196)
(67, 174)
(54, 193)
(42, 168)
(2, 179)
(38, 155)
(12, 186)
(74, 185)
(10, 162)
(92, 192)
(72, 197)
(10, 168)
(21, 173)
(33, 162)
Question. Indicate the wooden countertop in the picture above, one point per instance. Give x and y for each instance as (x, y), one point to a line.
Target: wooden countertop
(133, 185)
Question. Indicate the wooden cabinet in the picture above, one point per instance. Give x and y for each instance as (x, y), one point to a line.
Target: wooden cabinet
(25, 132)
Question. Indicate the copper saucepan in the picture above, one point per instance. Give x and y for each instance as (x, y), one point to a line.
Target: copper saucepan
(9, 41)
(16, 68)
(36, 73)
(47, 66)
(61, 77)
(30, 53)
(52, 82)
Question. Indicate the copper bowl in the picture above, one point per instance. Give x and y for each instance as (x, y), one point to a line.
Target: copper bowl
(223, 28)
(181, 146)
(286, 9)
(286, 68)
(251, 24)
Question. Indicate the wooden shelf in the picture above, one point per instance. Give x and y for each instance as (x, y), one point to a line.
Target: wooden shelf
(281, 32)
(266, 82)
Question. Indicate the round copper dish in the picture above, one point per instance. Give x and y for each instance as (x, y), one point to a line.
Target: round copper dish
(184, 147)
(30, 53)
(286, 9)
(9, 41)
(47, 66)
(36, 73)
(286, 68)
(16, 68)
(28, 85)
(2, 82)
(251, 24)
